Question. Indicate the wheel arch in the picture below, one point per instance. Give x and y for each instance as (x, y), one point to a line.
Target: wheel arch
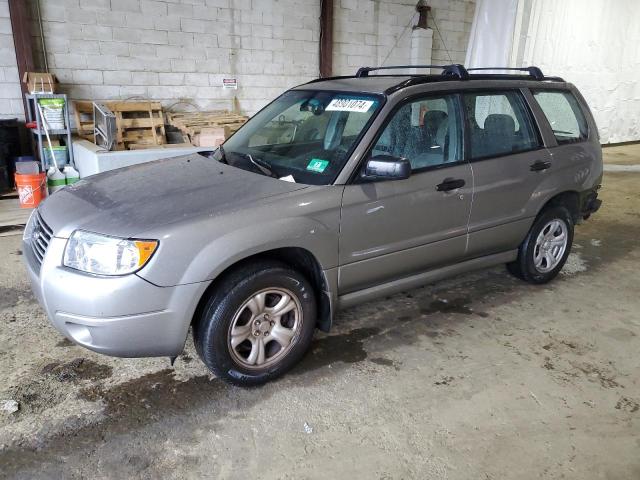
(569, 199)
(298, 258)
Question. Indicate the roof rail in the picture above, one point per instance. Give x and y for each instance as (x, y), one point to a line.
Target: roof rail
(534, 72)
(454, 70)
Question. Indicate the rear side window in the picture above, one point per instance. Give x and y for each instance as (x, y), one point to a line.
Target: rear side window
(499, 124)
(564, 114)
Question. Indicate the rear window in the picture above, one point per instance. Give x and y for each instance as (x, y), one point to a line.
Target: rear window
(564, 114)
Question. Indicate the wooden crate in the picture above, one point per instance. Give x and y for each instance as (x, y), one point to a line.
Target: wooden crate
(139, 124)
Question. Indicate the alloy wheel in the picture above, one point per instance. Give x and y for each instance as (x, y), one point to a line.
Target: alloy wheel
(550, 246)
(265, 328)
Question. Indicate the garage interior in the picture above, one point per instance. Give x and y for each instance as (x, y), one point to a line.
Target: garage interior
(479, 376)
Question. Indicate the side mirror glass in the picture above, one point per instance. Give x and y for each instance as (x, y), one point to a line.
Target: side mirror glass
(386, 167)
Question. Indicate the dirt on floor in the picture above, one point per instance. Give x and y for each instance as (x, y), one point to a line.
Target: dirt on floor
(482, 376)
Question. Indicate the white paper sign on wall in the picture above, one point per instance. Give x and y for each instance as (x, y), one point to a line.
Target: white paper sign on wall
(230, 83)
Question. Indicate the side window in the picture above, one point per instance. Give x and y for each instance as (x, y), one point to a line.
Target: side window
(427, 132)
(499, 123)
(564, 114)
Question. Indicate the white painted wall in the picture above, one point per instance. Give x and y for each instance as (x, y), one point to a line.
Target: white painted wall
(10, 93)
(594, 44)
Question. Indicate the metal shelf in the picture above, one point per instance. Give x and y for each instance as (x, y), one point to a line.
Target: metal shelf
(64, 131)
(33, 115)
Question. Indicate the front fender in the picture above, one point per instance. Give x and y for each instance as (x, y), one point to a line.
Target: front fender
(198, 251)
(236, 245)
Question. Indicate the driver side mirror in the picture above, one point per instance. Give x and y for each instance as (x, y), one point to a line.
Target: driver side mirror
(386, 167)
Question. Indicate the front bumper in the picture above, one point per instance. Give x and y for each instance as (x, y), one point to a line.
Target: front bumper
(119, 316)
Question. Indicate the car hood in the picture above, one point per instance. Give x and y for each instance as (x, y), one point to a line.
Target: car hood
(131, 200)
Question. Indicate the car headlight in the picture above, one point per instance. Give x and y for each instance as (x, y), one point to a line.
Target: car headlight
(105, 255)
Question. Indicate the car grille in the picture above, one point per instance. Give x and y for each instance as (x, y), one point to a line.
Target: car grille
(40, 237)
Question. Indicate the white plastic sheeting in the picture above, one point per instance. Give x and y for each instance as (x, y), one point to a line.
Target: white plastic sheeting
(491, 35)
(594, 44)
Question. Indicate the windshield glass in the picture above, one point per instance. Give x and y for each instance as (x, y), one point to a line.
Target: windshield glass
(303, 136)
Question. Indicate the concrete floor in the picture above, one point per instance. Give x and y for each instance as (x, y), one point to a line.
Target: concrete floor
(481, 377)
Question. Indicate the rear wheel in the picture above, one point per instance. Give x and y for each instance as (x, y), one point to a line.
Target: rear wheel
(546, 248)
(257, 324)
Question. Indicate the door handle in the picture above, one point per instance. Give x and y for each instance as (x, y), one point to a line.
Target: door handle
(539, 166)
(449, 184)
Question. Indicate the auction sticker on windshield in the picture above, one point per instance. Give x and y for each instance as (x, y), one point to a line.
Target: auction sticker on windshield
(317, 165)
(349, 105)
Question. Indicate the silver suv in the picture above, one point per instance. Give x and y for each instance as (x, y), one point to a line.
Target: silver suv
(340, 191)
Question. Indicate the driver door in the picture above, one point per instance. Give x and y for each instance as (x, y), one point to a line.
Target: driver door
(392, 229)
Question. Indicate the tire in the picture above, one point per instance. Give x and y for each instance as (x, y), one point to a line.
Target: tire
(247, 301)
(532, 264)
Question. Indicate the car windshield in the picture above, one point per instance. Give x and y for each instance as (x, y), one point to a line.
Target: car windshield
(303, 136)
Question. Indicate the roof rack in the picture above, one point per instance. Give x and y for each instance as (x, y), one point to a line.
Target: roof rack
(455, 70)
(535, 72)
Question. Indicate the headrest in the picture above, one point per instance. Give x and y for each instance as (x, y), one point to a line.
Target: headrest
(500, 123)
(433, 119)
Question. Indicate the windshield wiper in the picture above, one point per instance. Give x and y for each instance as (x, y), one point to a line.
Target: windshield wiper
(261, 165)
(223, 158)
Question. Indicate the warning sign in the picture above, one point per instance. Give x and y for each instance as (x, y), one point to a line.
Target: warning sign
(231, 83)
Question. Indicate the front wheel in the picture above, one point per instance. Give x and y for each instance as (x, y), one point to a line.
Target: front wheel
(257, 324)
(546, 247)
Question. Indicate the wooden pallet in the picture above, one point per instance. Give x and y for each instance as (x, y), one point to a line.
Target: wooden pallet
(83, 113)
(139, 124)
(192, 123)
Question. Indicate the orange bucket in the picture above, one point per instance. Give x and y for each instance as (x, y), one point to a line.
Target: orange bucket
(31, 189)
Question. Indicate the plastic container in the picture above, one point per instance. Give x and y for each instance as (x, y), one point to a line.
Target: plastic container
(31, 189)
(27, 168)
(55, 179)
(71, 174)
(60, 154)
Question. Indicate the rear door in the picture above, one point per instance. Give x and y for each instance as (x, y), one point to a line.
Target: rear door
(574, 144)
(509, 162)
(391, 229)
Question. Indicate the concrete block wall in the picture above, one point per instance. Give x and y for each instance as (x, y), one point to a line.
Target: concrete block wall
(170, 50)
(10, 93)
(373, 32)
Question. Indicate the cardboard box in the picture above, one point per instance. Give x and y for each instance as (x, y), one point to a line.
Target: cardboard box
(38, 82)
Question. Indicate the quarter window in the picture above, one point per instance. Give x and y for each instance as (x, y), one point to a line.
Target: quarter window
(499, 124)
(563, 112)
(427, 132)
